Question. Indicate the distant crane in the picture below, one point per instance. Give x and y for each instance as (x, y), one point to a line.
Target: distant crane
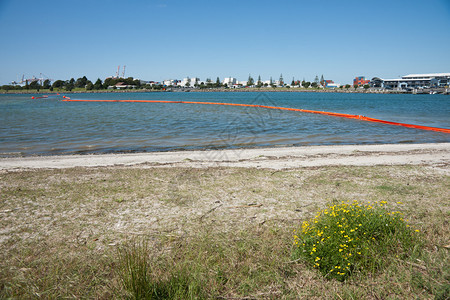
(41, 79)
(17, 82)
(118, 73)
(118, 70)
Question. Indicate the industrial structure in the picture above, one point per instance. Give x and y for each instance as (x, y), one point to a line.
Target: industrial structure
(329, 84)
(42, 77)
(360, 80)
(413, 81)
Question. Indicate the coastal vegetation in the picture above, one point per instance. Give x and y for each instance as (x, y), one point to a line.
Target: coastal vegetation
(351, 237)
(222, 233)
(83, 84)
(80, 84)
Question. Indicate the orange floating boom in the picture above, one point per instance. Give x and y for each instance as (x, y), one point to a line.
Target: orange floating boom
(348, 116)
(44, 96)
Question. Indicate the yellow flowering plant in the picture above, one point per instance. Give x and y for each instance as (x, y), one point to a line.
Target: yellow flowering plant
(353, 237)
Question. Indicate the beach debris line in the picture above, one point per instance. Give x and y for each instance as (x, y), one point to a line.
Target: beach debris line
(348, 116)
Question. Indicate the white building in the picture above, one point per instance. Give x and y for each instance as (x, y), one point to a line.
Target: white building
(169, 82)
(188, 81)
(230, 81)
(413, 81)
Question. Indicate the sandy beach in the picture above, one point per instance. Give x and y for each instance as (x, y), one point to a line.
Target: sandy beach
(434, 155)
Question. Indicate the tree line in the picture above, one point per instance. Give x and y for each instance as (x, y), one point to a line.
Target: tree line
(130, 82)
(69, 85)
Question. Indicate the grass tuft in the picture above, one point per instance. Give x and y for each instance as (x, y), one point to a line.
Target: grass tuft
(143, 278)
(351, 237)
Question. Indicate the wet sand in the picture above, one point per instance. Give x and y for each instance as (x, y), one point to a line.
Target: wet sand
(435, 155)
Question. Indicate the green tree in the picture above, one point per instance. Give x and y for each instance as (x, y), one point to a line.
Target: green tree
(98, 84)
(69, 85)
(58, 84)
(127, 81)
(218, 84)
(316, 80)
(366, 86)
(110, 82)
(34, 85)
(7, 87)
(136, 83)
(89, 85)
(306, 84)
(347, 86)
(281, 81)
(259, 82)
(314, 84)
(250, 80)
(46, 85)
(81, 82)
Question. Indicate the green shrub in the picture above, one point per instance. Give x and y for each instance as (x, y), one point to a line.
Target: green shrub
(351, 237)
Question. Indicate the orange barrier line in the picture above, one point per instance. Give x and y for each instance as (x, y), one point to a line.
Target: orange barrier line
(348, 116)
(44, 96)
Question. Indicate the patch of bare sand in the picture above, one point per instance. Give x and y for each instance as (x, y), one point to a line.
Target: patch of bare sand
(433, 155)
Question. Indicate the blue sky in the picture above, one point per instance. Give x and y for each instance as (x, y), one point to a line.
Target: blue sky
(161, 39)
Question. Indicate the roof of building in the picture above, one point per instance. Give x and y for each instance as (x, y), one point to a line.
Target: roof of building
(427, 75)
(404, 79)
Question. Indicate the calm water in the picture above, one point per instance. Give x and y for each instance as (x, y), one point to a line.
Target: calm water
(52, 127)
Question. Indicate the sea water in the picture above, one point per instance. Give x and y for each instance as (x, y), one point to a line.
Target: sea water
(50, 126)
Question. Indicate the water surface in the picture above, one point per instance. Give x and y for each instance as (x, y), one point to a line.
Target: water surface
(52, 127)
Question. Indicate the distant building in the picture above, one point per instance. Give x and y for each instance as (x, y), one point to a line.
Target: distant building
(413, 81)
(186, 82)
(121, 86)
(361, 80)
(329, 84)
(170, 82)
(154, 83)
(230, 81)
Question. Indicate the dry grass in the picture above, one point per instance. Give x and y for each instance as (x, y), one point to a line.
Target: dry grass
(60, 230)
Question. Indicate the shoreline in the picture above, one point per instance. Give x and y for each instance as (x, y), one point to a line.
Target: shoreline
(223, 90)
(433, 154)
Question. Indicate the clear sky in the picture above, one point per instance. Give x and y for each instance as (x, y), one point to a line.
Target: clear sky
(161, 39)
